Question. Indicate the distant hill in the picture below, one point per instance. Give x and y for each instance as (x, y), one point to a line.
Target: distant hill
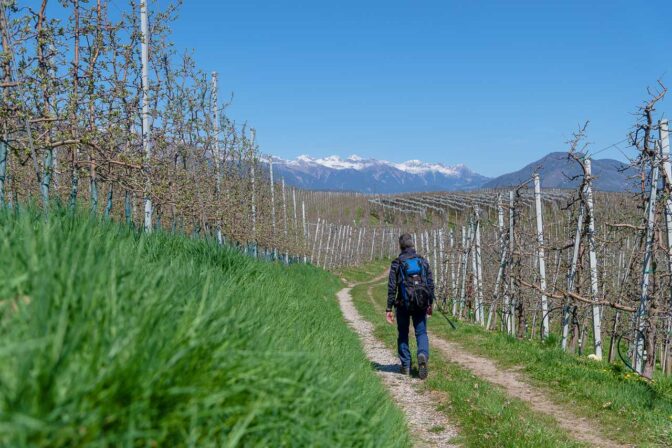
(558, 171)
(375, 176)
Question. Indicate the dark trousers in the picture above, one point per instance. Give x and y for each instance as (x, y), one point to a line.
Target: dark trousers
(419, 318)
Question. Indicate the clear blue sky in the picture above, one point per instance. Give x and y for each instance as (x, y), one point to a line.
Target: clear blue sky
(492, 84)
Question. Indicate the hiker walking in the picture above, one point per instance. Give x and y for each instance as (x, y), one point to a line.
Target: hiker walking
(410, 290)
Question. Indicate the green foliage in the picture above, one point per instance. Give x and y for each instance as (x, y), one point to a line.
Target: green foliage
(113, 338)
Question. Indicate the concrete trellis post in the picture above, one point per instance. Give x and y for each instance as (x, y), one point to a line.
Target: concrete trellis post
(458, 292)
(502, 262)
(305, 231)
(453, 279)
(466, 242)
(663, 129)
(373, 242)
(442, 264)
(146, 117)
(545, 325)
(474, 279)
(382, 243)
(319, 247)
(284, 220)
(479, 269)
(597, 325)
(270, 169)
(326, 249)
(317, 233)
(254, 195)
(296, 220)
(217, 153)
(359, 243)
(437, 272)
(510, 312)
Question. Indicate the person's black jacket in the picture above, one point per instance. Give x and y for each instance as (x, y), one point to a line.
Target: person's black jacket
(393, 290)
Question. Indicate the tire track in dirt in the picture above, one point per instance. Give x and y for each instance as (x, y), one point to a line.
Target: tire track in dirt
(514, 385)
(429, 426)
(579, 428)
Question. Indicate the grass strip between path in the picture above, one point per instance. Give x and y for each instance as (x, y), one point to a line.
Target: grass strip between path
(485, 415)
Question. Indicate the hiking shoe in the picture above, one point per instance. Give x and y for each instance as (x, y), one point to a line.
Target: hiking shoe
(405, 370)
(422, 366)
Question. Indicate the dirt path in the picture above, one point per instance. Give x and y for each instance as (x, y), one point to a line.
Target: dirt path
(429, 427)
(513, 383)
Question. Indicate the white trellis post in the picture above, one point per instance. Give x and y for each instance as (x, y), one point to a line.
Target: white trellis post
(146, 117)
(663, 129)
(502, 263)
(597, 326)
(466, 239)
(359, 243)
(453, 279)
(326, 249)
(253, 134)
(270, 167)
(296, 220)
(461, 272)
(479, 269)
(218, 151)
(305, 231)
(284, 220)
(319, 247)
(510, 313)
(373, 242)
(545, 325)
(474, 276)
(437, 272)
(442, 264)
(314, 248)
(382, 243)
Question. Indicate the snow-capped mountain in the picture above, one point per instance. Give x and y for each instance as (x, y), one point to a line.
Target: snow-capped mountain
(355, 173)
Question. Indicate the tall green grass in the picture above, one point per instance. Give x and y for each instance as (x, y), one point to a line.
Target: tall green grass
(113, 338)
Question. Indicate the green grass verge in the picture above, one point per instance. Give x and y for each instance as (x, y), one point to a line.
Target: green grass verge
(112, 338)
(486, 416)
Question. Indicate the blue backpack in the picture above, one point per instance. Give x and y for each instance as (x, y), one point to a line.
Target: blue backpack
(415, 293)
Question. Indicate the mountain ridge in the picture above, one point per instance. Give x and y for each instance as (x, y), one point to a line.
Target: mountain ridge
(369, 175)
(359, 174)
